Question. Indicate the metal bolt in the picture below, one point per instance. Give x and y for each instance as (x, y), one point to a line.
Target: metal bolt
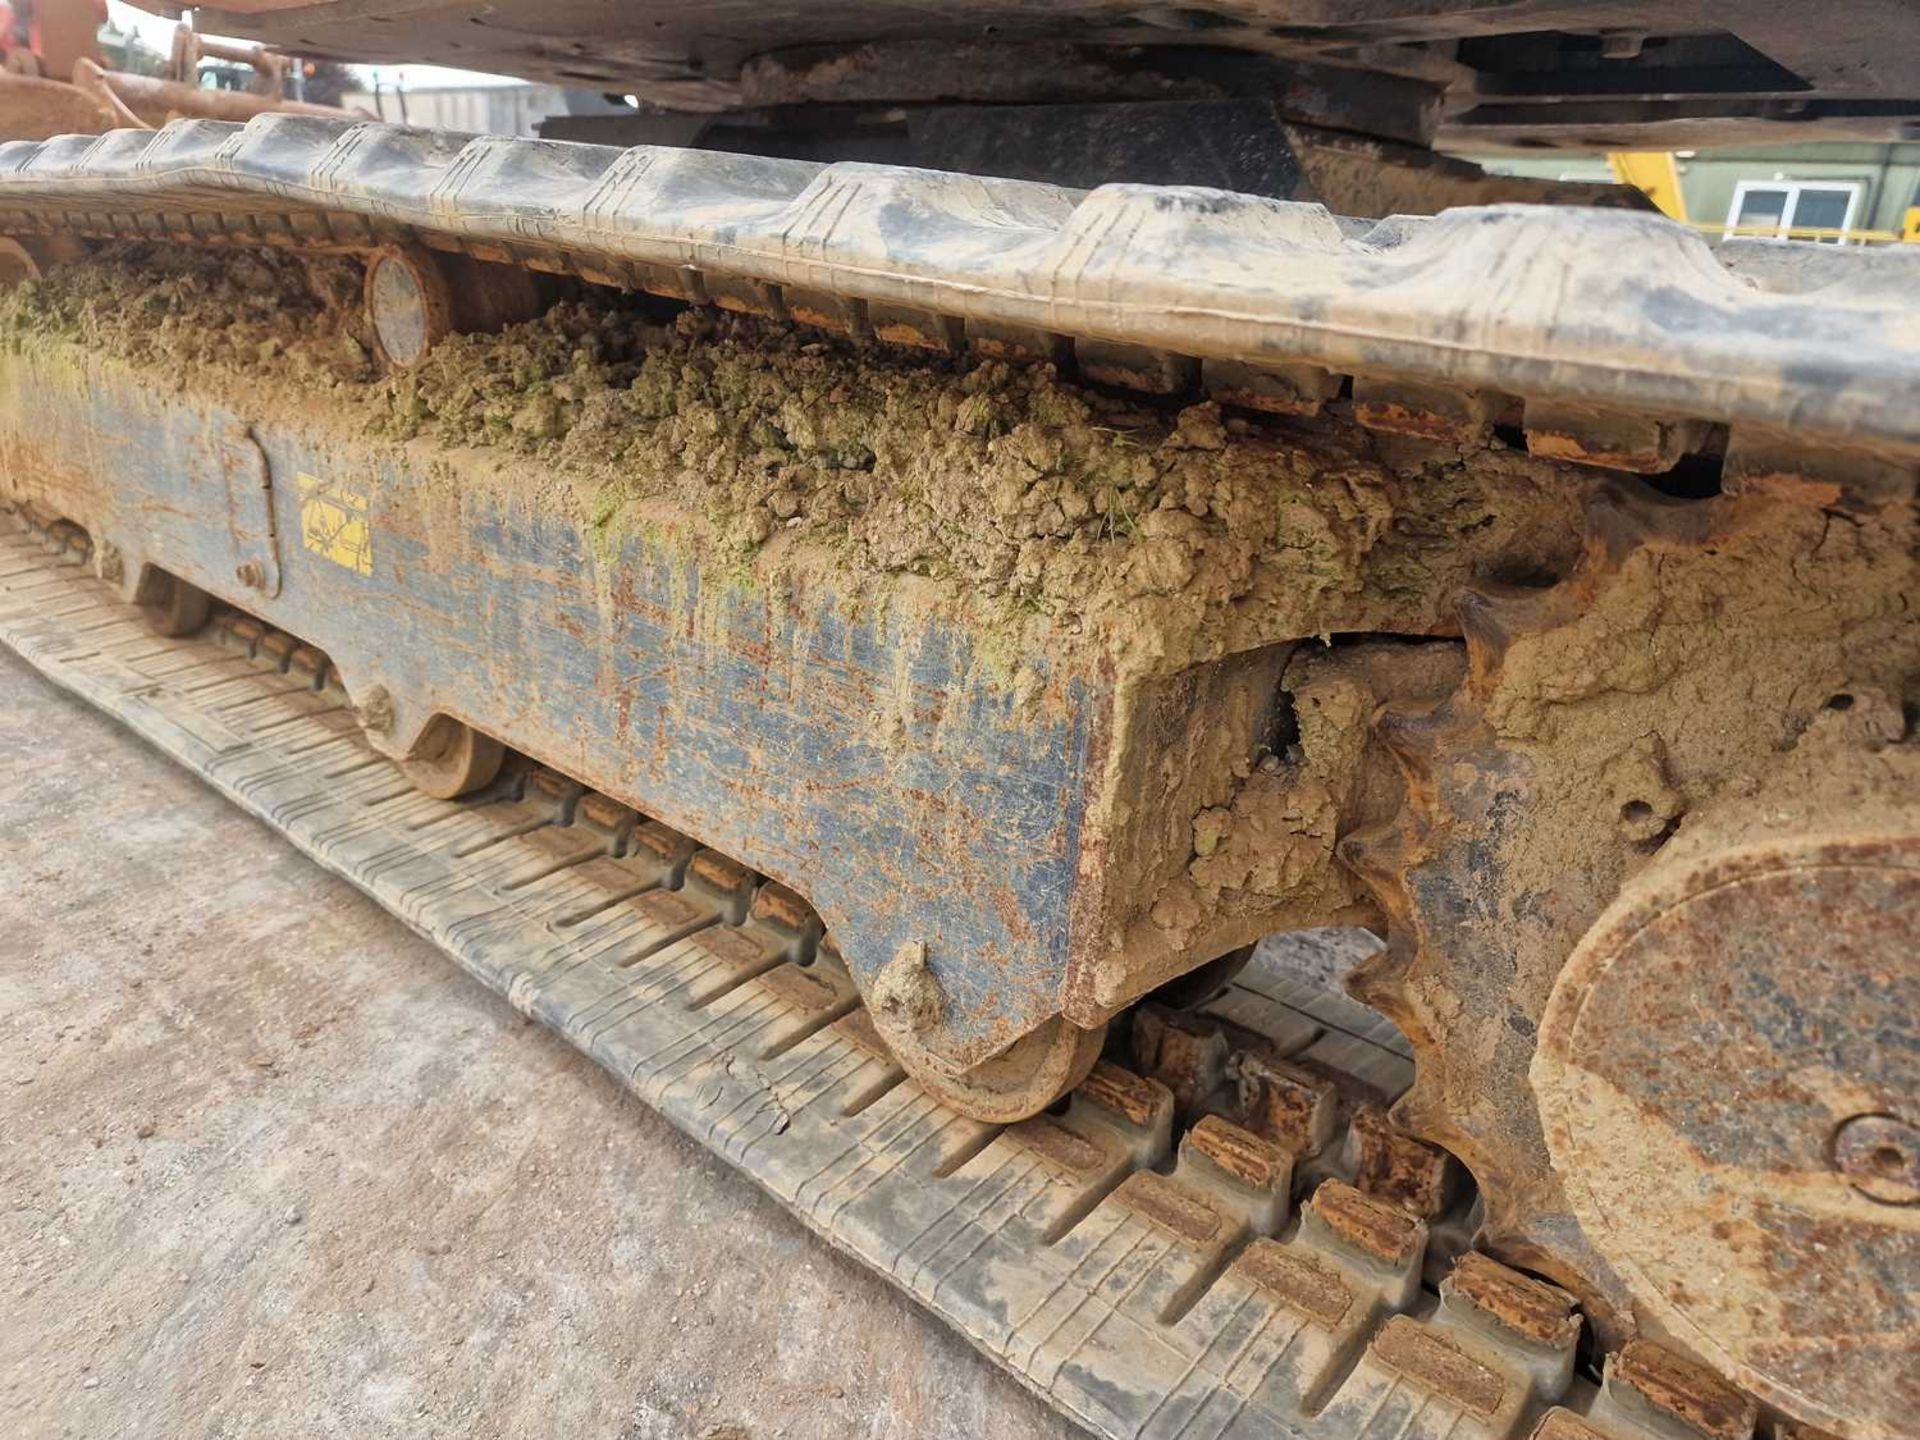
(1880, 1156)
(251, 574)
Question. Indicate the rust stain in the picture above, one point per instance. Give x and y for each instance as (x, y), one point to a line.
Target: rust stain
(842, 319)
(1648, 461)
(1421, 1355)
(1314, 1289)
(1058, 1147)
(1129, 377)
(1172, 1207)
(1289, 1105)
(919, 330)
(669, 846)
(782, 906)
(1395, 1166)
(1400, 419)
(1688, 1392)
(1532, 1308)
(1241, 1153)
(311, 662)
(1141, 1101)
(1383, 1231)
(552, 784)
(1187, 1057)
(608, 814)
(280, 646)
(721, 873)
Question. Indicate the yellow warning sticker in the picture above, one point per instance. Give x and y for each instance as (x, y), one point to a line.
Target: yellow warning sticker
(333, 523)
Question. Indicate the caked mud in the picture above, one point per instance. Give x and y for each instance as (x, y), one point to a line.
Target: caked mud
(1048, 520)
(1053, 515)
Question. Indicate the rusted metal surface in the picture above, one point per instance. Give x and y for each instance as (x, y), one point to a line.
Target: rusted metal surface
(1640, 444)
(1289, 1103)
(1216, 1065)
(1254, 1162)
(1491, 874)
(1377, 1228)
(159, 102)
(409, 304)
(1021, 884)
(415, 298)
(1671, 1386)
(915, 328)
(1276, 390)
(1136, 367)
(1187, 1056)
(34, 108)
(1762, 461)
(1139, 1299)
(1425, 412)
(1009, 918)
(1392, 1164)
(83, 98)
(1543, 1313)
(1560, 768)
(1773, 1115)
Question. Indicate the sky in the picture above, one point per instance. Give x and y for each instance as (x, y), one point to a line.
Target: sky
(158, 33)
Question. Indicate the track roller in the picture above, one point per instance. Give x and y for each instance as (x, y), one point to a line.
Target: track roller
(1022, 1080)
(172, 607)
(453, 759)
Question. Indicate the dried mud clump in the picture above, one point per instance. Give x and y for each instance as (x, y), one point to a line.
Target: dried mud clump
(1047, 511)
(1189, 532)
(186, 309)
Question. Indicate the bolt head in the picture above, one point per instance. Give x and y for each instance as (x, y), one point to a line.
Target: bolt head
(1880, 1156)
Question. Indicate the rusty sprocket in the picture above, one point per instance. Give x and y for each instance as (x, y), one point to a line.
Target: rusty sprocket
(1690, 649)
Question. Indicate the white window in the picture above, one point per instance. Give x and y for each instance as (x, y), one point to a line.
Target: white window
(1779, 209)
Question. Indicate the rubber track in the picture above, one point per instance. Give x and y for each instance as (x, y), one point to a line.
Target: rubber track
(1611, 309)
(1137, 1291)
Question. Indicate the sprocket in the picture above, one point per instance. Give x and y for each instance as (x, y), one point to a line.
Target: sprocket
(1688, 651)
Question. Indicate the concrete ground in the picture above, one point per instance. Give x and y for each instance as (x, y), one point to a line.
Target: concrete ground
(270, 1165)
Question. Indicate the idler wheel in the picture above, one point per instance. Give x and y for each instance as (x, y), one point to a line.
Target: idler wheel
(1728, 1071)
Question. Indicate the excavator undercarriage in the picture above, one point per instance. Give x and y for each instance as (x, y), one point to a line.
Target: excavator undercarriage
(866, 653)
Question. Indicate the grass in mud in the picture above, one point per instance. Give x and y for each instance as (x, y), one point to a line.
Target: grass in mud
(1169, 533)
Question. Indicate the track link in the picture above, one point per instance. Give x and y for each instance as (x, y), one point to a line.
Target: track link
(1136, 1258)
